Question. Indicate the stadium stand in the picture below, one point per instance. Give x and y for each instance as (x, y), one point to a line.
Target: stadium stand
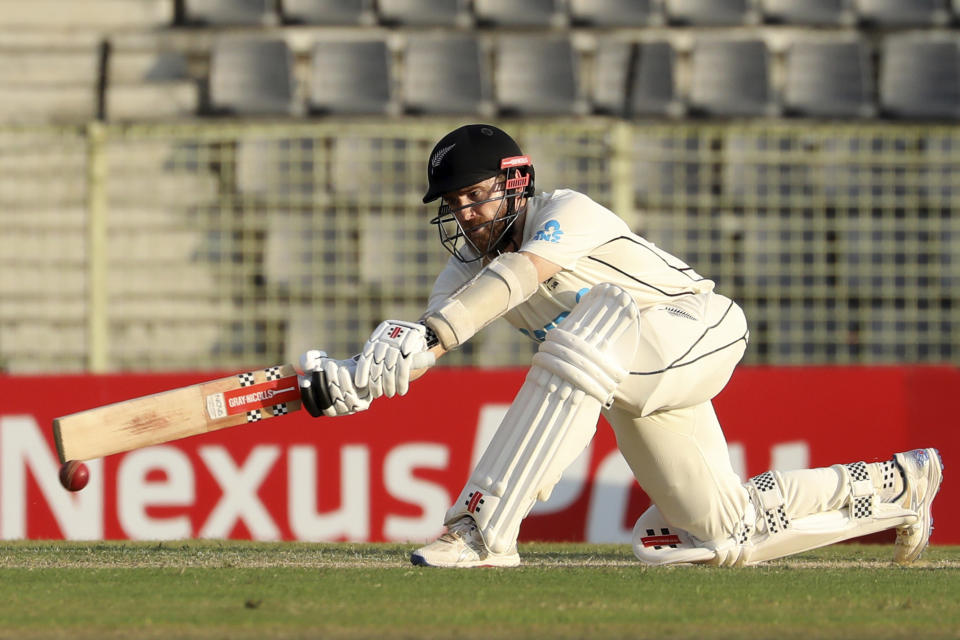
(445, 74)
(273, 209)
(535, 75)
(729, 77)
(251, 77)
(829, 78)
(350, 76)
(424, 12)
(329, 12)
(615, 13)
(920, 76)
(230, 12)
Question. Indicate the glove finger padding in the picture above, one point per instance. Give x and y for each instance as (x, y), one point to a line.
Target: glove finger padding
(312, 360)
(388, 357)
(346, 398)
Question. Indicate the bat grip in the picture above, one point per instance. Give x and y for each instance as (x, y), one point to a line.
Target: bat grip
(313, 392)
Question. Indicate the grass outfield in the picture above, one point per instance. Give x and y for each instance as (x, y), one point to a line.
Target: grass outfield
(205, 589)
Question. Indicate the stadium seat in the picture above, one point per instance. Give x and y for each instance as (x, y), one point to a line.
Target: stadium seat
(251, 77)
(230, 12)
(510, 13)
(730, 78)
(710, 12)
(826, 78)
(635, 78)
(614, 13)
(536, 75)
(920, 76)
(444, 74)
(339, 12)
(902, 12)
(423, 12)
(350, 76)
(809, 12)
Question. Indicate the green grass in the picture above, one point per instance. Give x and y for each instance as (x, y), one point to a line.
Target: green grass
(292, 590)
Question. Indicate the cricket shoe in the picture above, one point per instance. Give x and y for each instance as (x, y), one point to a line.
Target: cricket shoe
(922, 472)
(462, 546)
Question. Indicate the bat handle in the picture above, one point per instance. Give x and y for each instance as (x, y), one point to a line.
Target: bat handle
(313, 392)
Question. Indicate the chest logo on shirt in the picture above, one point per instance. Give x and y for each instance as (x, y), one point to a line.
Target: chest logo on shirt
(551, 232)
(541, 334)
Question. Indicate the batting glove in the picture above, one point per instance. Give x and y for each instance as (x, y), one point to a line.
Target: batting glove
(394, 350)
(347, 398)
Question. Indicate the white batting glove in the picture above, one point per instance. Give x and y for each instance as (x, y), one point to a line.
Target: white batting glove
(394, 350)
(347, 398)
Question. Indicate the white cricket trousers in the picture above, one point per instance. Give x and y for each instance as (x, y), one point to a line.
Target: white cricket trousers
(669, 434)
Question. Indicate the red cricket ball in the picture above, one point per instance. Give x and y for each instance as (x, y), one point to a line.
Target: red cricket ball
(74, 475)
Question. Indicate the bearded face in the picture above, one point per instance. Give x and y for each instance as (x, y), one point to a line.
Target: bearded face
(479, 214)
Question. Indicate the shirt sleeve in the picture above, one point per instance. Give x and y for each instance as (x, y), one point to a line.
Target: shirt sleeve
(569, 226)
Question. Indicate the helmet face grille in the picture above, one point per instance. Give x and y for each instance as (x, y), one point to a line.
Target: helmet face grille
(457, 240)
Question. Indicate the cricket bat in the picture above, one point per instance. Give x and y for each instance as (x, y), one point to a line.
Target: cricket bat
(239, 399)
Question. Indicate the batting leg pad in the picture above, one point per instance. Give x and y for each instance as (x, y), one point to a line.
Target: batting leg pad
(553, 417)
(768, 533)
(655, 542)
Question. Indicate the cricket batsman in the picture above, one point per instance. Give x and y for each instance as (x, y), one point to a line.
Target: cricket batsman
(625, 330)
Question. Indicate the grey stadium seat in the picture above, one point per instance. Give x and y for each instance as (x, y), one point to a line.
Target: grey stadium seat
(614, 13)
(635, 78)
(350, 76)
(230, 12)
(829, 79)
(423, 12)
(730, 78)
(920, 76)
(444, 74)
(902, 12)
(535, 75)
(341, 12)
(251, 77)
(710, 12)
(809, 12)
(511, 13)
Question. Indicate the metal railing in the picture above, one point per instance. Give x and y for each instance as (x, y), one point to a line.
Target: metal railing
(222, 245)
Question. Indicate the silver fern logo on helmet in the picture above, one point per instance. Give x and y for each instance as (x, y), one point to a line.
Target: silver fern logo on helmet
(439, 155)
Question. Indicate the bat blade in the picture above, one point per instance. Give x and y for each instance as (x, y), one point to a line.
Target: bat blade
(170, 415)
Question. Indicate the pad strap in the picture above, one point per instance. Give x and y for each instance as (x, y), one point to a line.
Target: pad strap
(862, 491)
(768, 498)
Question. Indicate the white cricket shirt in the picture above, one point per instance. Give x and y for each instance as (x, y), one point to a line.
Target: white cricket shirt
(592, 245)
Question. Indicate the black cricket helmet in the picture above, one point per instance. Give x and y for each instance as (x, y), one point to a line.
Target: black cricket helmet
(466, 156)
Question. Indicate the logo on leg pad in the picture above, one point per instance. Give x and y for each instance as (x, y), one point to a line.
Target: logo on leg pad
(474, 502)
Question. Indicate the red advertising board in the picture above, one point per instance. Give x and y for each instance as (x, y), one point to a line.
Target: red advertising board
(389, 474)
